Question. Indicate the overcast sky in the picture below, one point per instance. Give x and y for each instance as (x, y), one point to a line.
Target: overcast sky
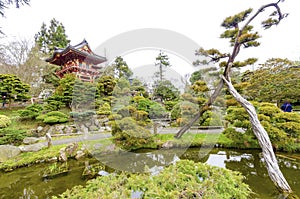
(99, 20)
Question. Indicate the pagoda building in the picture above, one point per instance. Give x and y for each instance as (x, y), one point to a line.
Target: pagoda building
(79, 60)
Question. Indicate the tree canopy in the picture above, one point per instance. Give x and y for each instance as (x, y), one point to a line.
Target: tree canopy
(12, 87)
(276, 80)
(54, 36)
(5, 3)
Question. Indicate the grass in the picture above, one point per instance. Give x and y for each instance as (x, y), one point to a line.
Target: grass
(12, 113)
(29, 158)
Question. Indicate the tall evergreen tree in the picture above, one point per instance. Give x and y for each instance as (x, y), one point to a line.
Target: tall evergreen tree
(54, 36)
(162, 60)
(121, 68)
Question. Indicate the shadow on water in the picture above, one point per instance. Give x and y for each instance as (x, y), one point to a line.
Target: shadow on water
(28, 182)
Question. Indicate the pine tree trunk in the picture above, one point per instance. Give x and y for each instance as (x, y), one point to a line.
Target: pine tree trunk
(264, 142)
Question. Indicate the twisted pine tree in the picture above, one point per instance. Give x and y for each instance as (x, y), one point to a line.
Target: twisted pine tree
(240, 34)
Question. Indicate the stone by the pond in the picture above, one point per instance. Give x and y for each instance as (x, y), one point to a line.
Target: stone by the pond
(8, 151)
(79, 154)
(39, 129)
(30, 140)
(168, 145)
(71, 149)
(103, 173)
(32, 147)
(62, 155)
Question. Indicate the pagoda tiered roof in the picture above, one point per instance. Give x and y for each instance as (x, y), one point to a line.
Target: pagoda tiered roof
(78, 59)
(82, 51)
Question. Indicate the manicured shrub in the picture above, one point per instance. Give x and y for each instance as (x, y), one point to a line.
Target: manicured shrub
(4, 121)
(104, 109)
(185, 179)
(129, 135)
(157, 111)
(283, 128)
(53, 117)
(11, 136)
(31, 111)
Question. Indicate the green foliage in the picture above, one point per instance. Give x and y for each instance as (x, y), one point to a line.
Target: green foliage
(210, 118)
(183, 112)
(83, 97)
(185, 179)
(31, 111)
(233, 21)
(104, 109)
(144, 104)
(138, 88)
(195, 76)
(156, 110)
(53, 117)
(166, 91)
(162, 60)
(169, 105)
(199, 86)
(127, 111)
(121, 68)
(65, 89)
(48, 38)
(283, 128)
(14, 87)
(106, 85)
(4, 121)
(53, 103)
(129, 135)
(11, 136)
(277, 80)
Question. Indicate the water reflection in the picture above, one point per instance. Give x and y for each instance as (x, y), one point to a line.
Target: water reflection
(251, 165)
(28, 183)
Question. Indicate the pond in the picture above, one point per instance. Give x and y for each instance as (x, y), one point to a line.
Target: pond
(28, 182)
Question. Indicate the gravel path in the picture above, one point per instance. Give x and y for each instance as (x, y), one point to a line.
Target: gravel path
(97, 136)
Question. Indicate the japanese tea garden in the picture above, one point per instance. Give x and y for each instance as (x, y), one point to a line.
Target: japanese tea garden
(74, 125)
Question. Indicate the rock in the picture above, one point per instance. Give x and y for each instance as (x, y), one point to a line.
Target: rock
(97, 123)
(103, 173)
(168, 145)
(39, 129)
(54, 159)
(71, 149)
(107, 128)
(68, 130)
(8, 151)
(79, 154)
(240, 130)
(30, 140)
(110, 148)
(50, 130)
(93, 128)
(32, 147)
(59, 129)
(62, 155)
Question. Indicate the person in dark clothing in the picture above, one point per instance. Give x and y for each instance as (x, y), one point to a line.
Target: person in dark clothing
(4, 97)
(286, 107)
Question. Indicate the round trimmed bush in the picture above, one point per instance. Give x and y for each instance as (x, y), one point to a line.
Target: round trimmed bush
(4, 121)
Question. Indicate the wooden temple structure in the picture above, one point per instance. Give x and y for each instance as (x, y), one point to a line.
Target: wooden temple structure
(79, 60)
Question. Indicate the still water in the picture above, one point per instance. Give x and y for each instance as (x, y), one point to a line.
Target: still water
(28, 182)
